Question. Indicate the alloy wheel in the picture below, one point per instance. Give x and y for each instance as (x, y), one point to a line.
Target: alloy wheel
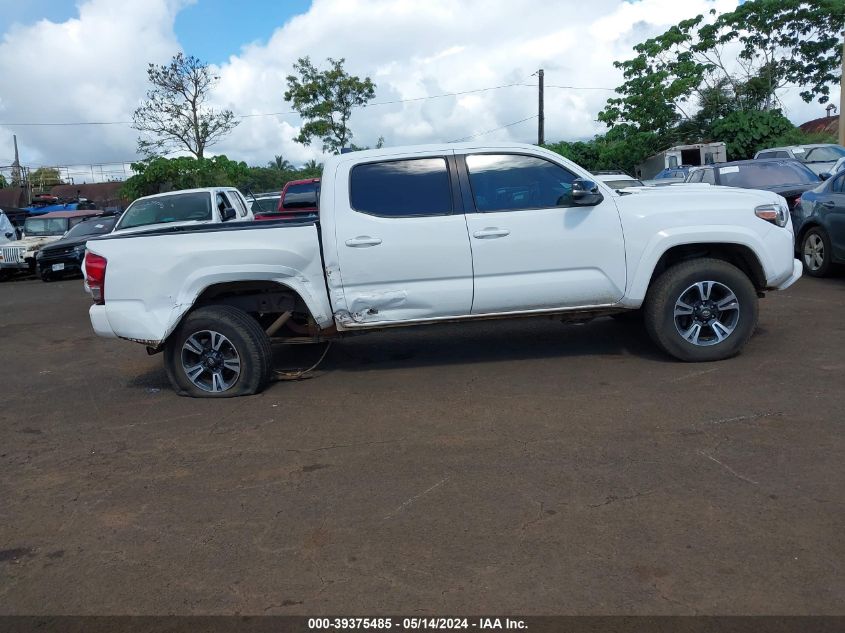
(706, 313)
(814, 251)
(210, 361)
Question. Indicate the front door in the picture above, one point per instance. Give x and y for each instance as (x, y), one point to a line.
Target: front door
(532, 249)
(402, 240)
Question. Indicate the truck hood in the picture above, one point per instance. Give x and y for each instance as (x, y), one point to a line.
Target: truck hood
(698, 198)
(36, 241)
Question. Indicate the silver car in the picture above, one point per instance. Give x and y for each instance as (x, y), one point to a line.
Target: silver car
(820, 157)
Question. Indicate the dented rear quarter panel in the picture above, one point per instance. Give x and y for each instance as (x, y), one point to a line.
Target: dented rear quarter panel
(153, 280)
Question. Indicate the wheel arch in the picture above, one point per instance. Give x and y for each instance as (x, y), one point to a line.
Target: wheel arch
(741, 255)
(254, 296)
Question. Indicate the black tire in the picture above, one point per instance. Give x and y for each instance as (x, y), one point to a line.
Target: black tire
(240, 333)
(677, 284)
(815, 240)
(46, 276)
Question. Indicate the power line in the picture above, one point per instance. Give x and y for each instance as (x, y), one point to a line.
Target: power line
(501, 127)
(368, 105)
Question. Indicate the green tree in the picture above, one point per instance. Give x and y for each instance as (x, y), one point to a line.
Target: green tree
(325, 99)
(781, 42)
(174, 116)
(45, 177)
(746, 132)
(156, 175)
(3, 182)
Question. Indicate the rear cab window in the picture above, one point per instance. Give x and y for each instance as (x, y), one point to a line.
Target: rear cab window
(401, 188)
(301, 196)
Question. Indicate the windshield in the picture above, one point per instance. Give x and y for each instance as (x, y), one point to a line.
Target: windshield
(266, 205)
(45, 226)
(823, 154)
(178, 207)
(91, 227)
(765, 175)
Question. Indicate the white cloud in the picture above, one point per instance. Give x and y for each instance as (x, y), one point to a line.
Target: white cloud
(90, 68)
(409, 48)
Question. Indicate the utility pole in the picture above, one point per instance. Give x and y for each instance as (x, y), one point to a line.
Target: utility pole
(16, 166)
(541, 118)
(842, 96)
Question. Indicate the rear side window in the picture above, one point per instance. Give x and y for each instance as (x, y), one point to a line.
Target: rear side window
(401, 188)
(302, 196)
(696, 176)
(708, 176)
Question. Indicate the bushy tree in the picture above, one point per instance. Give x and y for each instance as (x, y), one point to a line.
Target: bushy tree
(174, 116)
(156, 175)
(325, 99)
(738, 61)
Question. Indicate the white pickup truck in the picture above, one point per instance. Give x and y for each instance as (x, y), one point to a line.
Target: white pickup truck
(451, 232)
(184, 207)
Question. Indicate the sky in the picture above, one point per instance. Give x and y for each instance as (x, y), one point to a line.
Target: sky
(85, 61)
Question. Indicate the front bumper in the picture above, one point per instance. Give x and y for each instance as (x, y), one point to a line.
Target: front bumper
(797, 271)
(69, 261)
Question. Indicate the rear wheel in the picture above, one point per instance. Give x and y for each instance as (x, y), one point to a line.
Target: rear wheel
(218, 352)
(701, 310)
(815, 252)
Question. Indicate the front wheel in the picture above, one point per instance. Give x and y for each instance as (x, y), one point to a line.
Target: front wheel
(218, 352)
(701, 310)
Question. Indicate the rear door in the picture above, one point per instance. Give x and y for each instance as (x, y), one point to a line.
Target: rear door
(832, 213)
(402, 239)
(532, 249)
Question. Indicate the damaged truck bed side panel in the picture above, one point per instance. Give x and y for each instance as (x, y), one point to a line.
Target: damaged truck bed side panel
(147, 303)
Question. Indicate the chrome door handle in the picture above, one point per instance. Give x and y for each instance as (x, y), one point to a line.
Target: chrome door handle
(363, 240)
(490, 232)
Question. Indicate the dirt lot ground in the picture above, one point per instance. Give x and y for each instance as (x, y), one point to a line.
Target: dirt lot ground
(502, 467)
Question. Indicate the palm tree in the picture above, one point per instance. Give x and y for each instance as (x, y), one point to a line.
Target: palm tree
(312, 165)
(280, 163)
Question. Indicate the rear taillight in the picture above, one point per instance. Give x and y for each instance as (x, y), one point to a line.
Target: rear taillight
(95, 275)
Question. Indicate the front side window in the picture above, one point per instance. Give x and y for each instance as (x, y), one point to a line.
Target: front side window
(838, 184)
(401, 188)
(509, 182)
(708, 176)
(179, 207)
(696, 175)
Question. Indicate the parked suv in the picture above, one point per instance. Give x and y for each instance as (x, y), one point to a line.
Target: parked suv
(38, 231)
(820, 226)
(820, 157)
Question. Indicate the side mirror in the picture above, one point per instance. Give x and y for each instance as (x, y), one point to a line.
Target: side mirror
(585, 193)
(228, 214)
(9, 235)
(824, 176)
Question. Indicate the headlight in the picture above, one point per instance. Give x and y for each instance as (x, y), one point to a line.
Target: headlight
(774, 213)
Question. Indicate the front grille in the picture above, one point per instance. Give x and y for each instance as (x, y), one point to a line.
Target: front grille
(12, 254)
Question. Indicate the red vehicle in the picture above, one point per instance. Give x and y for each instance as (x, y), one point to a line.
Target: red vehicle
(299, 197)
